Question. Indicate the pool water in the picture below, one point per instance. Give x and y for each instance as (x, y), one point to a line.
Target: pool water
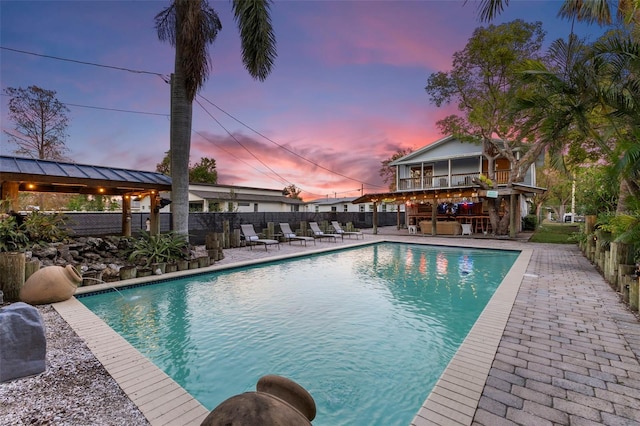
(367, 331)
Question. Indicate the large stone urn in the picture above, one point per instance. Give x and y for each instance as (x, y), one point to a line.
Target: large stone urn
(50, 285)
(278, 401)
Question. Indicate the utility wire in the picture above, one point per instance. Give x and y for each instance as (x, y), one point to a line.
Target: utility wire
(283, 180)
(119, 110)
(162, 76)
(287, 149)
(239, 143)
(167, 80)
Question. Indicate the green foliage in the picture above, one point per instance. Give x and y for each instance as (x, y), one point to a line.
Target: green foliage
(12, 236)
(556, 233)
(166, 247)
(486, 180)
(292, 191)
(204, 171)
(529, 222)
(45, 228)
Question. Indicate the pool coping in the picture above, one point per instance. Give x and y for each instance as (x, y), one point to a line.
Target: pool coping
(453, 400)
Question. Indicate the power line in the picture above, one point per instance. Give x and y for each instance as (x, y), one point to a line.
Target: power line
(167, 80)
(239, 143)
(162, 76)
(119, 110)
(289, 150)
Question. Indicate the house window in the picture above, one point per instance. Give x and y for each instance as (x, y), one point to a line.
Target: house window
(295, 208)
(334, 209)
(361, 208)
(255, 207)
(316, 208)
(345, 208)
(195, 207)
(370, 207)
(384, 207)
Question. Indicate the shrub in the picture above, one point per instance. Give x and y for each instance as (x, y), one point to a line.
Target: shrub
(529, 222)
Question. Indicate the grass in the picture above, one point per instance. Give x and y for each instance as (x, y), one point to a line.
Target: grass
(556, 233)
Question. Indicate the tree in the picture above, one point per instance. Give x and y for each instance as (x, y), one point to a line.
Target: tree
(189, 25)
(40, 122)
(202, 172)
(485, 81)
(388, 173)
(291, 191)
(591, 11)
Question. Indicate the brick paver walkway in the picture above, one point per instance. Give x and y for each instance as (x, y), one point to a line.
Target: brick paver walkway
(569, 353)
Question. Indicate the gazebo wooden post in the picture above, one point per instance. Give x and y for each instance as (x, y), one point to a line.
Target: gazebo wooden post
(126, 215)
(512, 215)
(10, 193)
(375, 217)
(434, 218)
(154, 216)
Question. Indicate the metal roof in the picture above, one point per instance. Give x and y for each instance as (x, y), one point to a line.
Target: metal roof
(217, 195)
(58, 176)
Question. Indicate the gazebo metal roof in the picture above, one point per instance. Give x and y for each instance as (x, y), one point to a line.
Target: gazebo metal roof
(65, 177)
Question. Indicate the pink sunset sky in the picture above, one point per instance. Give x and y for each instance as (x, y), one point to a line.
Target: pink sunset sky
(346, 92)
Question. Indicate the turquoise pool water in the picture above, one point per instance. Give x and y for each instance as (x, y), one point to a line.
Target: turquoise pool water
(367, 331)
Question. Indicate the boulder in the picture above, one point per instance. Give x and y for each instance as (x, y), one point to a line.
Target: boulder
(23, 345)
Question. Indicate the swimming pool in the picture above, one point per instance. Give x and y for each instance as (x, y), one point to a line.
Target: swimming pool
(367, 331)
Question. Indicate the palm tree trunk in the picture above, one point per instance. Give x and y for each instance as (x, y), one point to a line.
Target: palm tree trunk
(181, 110)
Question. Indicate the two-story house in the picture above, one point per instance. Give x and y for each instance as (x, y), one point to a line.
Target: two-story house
(436, 183)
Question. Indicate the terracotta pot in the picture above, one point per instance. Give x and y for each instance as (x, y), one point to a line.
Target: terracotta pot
(144, 272)
(50, 285)
(183, 265)
(278, 401)
(128, 272)
(158, 268)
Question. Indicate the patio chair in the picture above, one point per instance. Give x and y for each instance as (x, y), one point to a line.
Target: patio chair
(252, 238)
(317, 233)
(341, 231)
(466, 229)
(289, 235)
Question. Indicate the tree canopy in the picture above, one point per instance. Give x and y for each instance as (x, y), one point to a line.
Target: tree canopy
(40, 121)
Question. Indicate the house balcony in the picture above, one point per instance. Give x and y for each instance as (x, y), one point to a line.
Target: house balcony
(454, 180)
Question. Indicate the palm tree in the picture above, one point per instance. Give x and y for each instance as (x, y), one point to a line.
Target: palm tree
(591, 11)
(190, 25)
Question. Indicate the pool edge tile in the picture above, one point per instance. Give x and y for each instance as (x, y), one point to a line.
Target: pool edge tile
(494, 317)
(77, 315)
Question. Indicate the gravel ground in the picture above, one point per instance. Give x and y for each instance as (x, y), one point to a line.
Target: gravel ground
(74, 390)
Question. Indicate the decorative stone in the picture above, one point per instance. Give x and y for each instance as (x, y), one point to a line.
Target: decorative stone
(50, 285)
(278, 401)
(23, 344)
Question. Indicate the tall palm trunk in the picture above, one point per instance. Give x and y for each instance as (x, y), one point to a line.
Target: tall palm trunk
(181, 111)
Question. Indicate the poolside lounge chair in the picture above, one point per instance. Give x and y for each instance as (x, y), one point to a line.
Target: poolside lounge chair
(317, 233)
(349, 234)
(252, 238)
(289, 235)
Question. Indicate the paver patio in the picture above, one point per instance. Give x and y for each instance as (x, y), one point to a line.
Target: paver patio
(555, 346)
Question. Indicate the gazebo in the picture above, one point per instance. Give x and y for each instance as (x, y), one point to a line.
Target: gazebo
(33, 175)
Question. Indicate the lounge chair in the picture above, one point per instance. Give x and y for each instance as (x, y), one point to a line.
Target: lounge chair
(349, 234)
(252, 238)
(289, 235)
(317, 233)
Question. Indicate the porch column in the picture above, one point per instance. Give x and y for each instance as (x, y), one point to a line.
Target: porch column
(154, 214)
(434, 217)
(375, 217)
(10, 193)
(512, 215)
(398, 217)
(126, 215)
